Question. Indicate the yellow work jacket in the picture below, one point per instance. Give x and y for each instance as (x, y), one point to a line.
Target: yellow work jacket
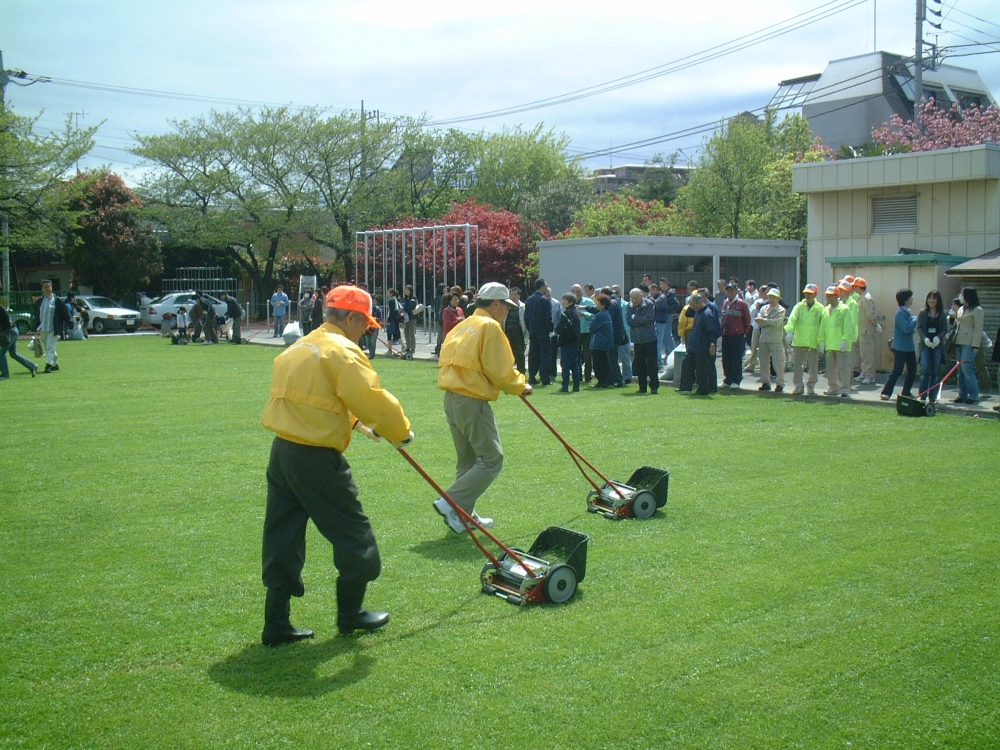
(684, 323)
(476, 360)
(321, 385)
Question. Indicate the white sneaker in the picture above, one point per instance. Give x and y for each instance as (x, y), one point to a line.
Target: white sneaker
(868, 381)
(450, 516)
(486, 523)
(859, 378)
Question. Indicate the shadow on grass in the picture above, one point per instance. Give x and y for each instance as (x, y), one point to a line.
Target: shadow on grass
(452, 548)
(290, 671)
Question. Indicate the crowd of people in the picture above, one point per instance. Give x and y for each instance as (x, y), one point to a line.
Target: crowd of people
(612, 338)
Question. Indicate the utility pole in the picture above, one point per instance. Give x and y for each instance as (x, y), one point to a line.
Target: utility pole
(3, 80)
(918, 63)
(6, 262)
(76, 125)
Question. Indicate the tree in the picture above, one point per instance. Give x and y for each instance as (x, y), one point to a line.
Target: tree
(623, 215)
(115, 250)
(513, 165)
(559, 201)
(34, 193)
(742, 186)
(659, 181)
(505, 243)
(939, 129)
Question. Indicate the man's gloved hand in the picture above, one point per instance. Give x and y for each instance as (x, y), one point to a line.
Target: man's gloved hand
(822, 347)
(843, 346)
(928, 343)
(878, 327)
(404, 443)
(789, 337)
(937, 342)
(367, 431)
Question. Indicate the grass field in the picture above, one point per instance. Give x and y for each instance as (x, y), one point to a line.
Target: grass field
(824, 575)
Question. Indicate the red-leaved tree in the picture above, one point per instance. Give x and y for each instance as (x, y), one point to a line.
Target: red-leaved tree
(939, 129)
(505, 241)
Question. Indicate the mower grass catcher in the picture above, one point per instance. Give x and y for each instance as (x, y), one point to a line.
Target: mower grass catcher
(645, 492)
(517, 576)
(549, 571)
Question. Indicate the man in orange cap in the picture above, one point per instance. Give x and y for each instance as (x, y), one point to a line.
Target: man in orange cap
(803, 331)
(845, 289)
(476, 364)
(322, 388)
(868, 326)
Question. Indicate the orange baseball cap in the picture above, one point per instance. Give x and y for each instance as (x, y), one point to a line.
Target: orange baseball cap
(349, 297)
(849, 279)
(859, 281)
(847, 286)
(810, 289)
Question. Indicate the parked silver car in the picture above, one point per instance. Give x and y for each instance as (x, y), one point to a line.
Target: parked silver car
(105, 314)
(168, 305)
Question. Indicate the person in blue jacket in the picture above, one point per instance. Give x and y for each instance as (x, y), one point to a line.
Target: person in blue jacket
(602, 341)
(538, 319)
(903, 348)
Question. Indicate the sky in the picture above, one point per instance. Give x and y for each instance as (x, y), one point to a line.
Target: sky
(447, 59)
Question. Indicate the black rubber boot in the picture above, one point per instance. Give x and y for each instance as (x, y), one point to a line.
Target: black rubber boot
(350, 615)
(278, 630)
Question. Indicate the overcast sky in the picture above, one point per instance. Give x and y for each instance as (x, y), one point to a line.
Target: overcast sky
(446, 59)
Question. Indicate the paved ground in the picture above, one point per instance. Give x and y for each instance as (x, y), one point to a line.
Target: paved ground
(868, 394)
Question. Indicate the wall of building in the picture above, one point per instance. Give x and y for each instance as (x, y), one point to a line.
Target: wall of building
(623, 259)
(958, 204)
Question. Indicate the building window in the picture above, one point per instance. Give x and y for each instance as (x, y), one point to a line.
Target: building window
(894, 214)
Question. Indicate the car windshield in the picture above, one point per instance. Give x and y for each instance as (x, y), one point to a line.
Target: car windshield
(100, 302)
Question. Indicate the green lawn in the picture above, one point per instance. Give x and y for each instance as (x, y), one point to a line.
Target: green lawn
(824, 575)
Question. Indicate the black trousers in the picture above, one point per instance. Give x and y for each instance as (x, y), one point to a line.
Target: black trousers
(516, 338)
(687, 373)
(645, 365)
(539, 356)
(733, 348)
(303, 482)
(705, 374)
(586, 359)
(602, 366)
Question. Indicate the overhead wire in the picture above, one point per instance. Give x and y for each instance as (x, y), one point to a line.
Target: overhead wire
(768, 33)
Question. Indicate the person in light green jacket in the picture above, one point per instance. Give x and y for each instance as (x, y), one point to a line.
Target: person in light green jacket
(833, 337)
(803, 335)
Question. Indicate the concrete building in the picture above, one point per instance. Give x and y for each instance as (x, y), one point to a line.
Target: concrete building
(855, 94)
(903, 221)
(624, 259)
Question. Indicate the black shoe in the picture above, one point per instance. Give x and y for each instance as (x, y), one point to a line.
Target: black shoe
(34, 371)
(564, 389)
(48, 368)
(350, 614)
(363, 620)
(765, 387)
(55, 368)
(533, 381)
(779, 388)
(277, 628)
(576, 389)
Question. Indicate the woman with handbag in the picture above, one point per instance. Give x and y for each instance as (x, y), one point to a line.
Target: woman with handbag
(968, 339)
(8, 344)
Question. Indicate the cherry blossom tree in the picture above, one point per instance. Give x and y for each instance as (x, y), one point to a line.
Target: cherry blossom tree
(939, 129)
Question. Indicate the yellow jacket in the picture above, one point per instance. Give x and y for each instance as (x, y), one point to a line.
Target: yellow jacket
(323, 384)
(684, 323)
(476, 360)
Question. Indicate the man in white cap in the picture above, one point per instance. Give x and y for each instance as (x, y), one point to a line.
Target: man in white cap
(476, 363)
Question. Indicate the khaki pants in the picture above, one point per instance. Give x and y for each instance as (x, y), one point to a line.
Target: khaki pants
(865, 355)
(477, 443)
(845, 367)
(802, 355)
(772, 354)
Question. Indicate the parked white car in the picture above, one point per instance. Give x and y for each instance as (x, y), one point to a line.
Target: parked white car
(168, 305)
(106, 315)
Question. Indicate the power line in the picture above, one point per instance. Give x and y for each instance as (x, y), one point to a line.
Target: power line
(768, 33)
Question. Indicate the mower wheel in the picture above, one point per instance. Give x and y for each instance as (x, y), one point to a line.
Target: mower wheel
(643, 504)
(930, 408)
(560, 583)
